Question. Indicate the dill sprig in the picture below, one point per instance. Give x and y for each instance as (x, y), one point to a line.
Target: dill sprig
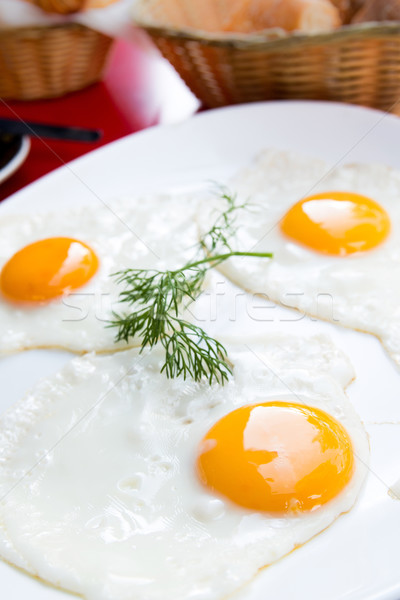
(157, 298)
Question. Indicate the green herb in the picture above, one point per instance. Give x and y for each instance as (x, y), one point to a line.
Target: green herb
(157, 298)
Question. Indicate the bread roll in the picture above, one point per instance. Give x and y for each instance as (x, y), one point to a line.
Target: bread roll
(378, 10)
(99, 3)
(63, 7)
(291, 15)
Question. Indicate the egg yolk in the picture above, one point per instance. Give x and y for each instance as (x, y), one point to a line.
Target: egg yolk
(278, 457)
(338, 223)
(47, 269)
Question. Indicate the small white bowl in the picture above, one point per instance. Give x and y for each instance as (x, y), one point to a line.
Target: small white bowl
(16, 159)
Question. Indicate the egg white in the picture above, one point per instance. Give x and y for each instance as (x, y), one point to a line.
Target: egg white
(98, 489)
(361, 291)
(151, 232)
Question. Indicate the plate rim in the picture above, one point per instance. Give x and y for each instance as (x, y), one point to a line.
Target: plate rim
(205, 115)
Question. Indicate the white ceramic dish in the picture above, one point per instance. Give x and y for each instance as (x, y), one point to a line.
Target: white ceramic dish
(357, 557)
(16, 159)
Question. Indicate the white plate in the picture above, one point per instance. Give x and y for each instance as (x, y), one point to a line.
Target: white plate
(357, 557)
(17, 159)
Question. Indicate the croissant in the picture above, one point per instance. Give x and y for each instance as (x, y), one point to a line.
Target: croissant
(303, 15)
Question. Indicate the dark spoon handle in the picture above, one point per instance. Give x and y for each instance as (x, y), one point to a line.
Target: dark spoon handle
(56, 132)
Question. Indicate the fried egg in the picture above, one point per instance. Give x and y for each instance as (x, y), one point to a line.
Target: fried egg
(117, 483)
(55, 283)
(335, 237)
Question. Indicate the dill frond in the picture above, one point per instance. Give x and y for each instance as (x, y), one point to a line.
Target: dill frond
(156, 299)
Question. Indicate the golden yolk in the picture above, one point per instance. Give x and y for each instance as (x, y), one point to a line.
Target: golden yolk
(278, 457)
(47, 269)
(338, 223)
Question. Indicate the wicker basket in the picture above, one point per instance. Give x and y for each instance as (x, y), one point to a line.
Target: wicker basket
(43, 62)
(359, 64)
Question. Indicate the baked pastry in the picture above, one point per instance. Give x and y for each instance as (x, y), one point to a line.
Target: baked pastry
(378, 10)
(347, 8)
(292, 15)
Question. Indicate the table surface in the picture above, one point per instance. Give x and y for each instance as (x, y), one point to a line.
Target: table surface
(139, 89)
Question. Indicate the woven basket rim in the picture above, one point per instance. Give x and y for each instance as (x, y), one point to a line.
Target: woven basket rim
(270, 38)
(43, 28)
